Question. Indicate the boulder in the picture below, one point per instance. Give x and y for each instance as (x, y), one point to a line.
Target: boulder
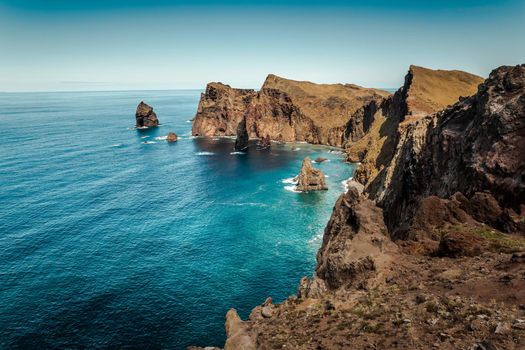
(264, 143)
(172, 137)
(145, 116)
(310, 178)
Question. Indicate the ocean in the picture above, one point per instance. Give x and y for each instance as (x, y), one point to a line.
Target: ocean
(109, 242)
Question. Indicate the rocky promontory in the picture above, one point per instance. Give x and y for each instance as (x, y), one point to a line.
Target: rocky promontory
(283, 110)
(430, 254)
(145, 116)
(310, 178)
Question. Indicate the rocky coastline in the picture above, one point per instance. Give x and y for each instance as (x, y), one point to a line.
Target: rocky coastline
(429, 252)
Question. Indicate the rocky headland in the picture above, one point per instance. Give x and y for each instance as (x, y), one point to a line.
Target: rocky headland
(145, 116)
(282, 110)
(429, 251)
(241, 141)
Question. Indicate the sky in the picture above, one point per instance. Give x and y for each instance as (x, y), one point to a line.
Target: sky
(59, 45)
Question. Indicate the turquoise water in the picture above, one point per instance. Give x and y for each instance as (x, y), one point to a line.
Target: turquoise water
(107, 242)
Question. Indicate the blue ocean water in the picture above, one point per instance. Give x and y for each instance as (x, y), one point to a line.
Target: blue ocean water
(108, 242)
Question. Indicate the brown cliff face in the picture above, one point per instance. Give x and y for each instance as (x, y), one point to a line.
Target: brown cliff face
(145, 117)
(450, 278)
(374, 140)
(221, 108)
(474, 147)
(285, 110)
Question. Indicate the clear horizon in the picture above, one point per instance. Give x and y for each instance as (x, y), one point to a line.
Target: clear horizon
(179, 45)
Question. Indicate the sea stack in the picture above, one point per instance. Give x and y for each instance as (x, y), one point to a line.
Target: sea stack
(310, 178)
(145, 117)
(241, 142)
(172, 137)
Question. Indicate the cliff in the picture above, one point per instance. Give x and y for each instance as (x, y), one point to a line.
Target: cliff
(284, 110)
(424, 92)
(310, 178)
(432, 258)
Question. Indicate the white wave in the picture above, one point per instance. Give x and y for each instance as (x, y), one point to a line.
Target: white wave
(346, 182)
(161, 138)
(327, 176)
(292, 188)
(144, 137)
(290, 180)
(295, 149)
(205, 153)
(215, 139)
(236, 152)
(148, 142)
(315, 239)
(188, 121)
(116, 145)
(141, 127)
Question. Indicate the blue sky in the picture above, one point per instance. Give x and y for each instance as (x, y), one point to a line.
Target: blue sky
(160, 44)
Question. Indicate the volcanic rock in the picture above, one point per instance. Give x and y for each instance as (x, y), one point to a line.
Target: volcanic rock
(284, 110)
(264, 143)
(172, 137)
(241, 142)
(310, 178)
(145, 116)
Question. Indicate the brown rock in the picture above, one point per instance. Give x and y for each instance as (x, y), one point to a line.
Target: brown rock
(320, 159)
(172, 137)
(145, 117)
(264, 143)
(241, 142)
(310, 178)
(284, 110)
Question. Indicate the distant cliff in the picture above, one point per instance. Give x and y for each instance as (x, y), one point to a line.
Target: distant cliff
(284, 110)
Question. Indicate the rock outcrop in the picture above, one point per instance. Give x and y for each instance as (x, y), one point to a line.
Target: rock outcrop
(264, 143)
(284, 110)
(172, 137)
(241, 142)
(374, 131)
(472, 150)
(310, 178)
(145, 116)
(430, 253)
(221, 109)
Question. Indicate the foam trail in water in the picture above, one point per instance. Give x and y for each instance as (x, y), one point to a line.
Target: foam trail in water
(237, 152)
(205, 153)
(161, 138)
(290, 180)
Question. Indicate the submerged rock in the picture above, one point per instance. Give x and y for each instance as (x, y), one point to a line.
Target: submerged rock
(241, 142)
(310, 178)
(320, 159)
(172, 137)
(145, 117)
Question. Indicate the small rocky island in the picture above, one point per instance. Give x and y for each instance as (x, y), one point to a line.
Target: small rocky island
(145, 116)
(310, 178)
(172, 137)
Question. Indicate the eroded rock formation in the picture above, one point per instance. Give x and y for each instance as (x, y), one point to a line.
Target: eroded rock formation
(172, 137)
(145, 116)
(284, 110)
(241, 142)
(310, 178)
(433, 254)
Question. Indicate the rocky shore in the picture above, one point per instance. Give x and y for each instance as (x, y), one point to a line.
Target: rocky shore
(429, 253)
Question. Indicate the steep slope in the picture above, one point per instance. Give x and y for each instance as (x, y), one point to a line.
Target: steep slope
(424, 92)
(284, 110)
(221, 108)
(457, 181)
